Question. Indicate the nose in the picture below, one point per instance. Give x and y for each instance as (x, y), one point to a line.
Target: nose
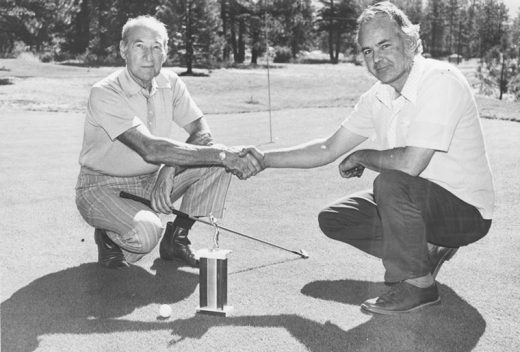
(147, 54)
(377, 56)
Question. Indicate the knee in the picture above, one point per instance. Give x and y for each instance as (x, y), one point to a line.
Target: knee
(148, 229)
(326, 220)
(334, 224)
(388, 184)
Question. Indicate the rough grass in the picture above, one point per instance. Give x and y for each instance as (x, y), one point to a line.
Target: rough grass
(57, 88)
(55, 298)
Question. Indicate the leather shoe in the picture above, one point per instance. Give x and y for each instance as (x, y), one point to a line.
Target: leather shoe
(109, 254)
(175, 245)
(402, 298)
(438, 255)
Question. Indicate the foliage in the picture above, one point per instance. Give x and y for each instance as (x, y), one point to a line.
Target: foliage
(500, 73)
(192, 28)
(36, 23)
(338, 20)
(282, 54)
(214, 32)
(468, 28)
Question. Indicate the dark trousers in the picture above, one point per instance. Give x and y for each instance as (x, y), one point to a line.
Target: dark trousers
(397, 219)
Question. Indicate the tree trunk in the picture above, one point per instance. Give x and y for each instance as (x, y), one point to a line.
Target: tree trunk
(331, 32)
(224, 14)
(241, 54)
(189, 38)
(503, 82)
(338, 48)
(233, 37)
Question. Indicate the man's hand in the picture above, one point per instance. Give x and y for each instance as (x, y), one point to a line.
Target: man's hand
(349, 167)
(200, 138)
(161, 201)
(241, 163)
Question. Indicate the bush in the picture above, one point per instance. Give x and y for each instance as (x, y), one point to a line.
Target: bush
(46, 57)
(282, 54)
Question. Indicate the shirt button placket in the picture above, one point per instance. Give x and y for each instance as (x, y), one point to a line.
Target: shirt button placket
(150, 113)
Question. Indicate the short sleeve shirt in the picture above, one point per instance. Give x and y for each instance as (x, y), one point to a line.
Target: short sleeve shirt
(117, 104)
(435, 110)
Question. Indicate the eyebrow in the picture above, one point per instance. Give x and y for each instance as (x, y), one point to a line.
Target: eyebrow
(377, 44)
(142, 41)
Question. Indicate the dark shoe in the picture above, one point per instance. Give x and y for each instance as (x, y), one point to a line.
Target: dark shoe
(109, 254)
(402, 298)
(438, 255)
(175, 245)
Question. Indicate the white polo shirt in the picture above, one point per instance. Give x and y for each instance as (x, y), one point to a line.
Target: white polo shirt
(436, 110)
(116, 104)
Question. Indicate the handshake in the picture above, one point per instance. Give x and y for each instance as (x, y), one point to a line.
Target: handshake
(242, 162)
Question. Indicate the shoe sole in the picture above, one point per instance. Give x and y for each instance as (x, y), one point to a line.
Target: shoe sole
(449, 254)
(397, 312)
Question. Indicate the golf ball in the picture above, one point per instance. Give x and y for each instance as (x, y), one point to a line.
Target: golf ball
(165, 311)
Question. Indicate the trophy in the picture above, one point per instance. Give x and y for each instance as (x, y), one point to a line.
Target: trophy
(213, 277)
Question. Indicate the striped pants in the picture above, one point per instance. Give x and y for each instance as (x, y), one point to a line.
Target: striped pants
(133, 226)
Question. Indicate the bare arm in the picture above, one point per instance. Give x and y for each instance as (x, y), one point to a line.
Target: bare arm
(412, 160)
(314, 153)
(158, 150)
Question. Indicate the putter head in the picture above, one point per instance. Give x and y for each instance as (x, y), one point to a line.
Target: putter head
(304, 253)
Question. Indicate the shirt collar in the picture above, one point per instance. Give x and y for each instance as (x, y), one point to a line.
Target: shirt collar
(131, 87)
(411, 86)
(385, 93)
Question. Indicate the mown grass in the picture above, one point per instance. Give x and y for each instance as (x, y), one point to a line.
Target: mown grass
(55, 298)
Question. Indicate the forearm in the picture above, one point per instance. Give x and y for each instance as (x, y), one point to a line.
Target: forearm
(309, 155)
(401, 159)
(175, 154)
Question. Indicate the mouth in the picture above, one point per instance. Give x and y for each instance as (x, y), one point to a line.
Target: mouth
(382, 68)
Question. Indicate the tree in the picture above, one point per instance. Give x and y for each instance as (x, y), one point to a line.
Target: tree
(490, 19)
(192, 28)
(33, 22)
(453, 12)
(338, 20)
(434, 28)
(293, 24)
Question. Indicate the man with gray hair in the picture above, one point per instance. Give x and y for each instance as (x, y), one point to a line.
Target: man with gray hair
(434, 192)
(127, 146)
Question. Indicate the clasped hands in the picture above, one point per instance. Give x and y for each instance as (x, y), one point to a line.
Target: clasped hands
(243, 162)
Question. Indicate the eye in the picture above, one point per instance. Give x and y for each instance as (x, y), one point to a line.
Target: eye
(385, 46)
(367, 52)
(139, 45)
(157, 47)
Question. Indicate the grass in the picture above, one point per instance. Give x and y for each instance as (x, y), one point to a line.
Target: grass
(55, 298)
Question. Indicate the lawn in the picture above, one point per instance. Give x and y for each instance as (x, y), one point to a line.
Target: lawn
(55, 298)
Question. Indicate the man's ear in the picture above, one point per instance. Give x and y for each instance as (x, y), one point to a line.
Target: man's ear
(122, 49)
(165, 52)
(411, 45)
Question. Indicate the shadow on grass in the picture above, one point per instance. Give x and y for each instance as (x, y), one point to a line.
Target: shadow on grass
(87, 299)
(452, 326)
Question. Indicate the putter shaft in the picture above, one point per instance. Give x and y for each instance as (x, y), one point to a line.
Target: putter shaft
(147, 202)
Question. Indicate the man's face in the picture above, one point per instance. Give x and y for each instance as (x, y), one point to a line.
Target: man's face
(387, 54)
(144, 54)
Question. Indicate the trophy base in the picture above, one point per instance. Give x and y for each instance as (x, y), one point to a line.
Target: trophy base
(215, 311)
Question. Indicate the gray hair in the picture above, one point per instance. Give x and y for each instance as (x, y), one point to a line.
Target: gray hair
(386, 8)
(145, 21)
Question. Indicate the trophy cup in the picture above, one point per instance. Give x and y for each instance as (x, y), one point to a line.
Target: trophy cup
(213, 277)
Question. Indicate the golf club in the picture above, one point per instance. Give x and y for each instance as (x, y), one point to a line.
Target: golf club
(302, 253)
